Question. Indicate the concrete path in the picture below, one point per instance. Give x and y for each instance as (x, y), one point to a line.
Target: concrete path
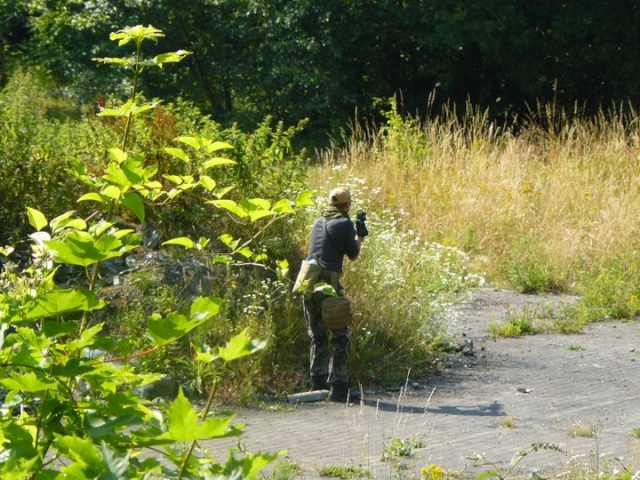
(511, 394)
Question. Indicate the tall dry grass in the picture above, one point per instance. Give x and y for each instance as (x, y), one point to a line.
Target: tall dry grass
(543, 209)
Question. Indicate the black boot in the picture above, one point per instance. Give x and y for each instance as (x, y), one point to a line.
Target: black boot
(319, 382)
(339, 392)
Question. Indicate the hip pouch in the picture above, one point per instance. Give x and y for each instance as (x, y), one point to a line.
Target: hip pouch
(336, 312)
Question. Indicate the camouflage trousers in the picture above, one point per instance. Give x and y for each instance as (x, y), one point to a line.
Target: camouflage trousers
(331, 365)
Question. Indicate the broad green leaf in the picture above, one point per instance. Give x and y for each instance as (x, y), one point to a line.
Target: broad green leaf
(229, 241)
(260, 257)
(255, 204)
(71, 368)
(55, 329)
(137, 33)
(124, 234)
(86, 339)
(118, 154)
(118, 177)
(283, 207)
(205, 308)
(224, 259)
(111, 419)
(123, 62)
(97, 229)
(191, 141)
(240, 346)
(109, 244)
(257, 208)
(93, 196)
(215, 146)
(59, 302)
(304, 199)
(166, 330)
(78, 251)
(66, 221)
(325, 288)
(181, 241)
(183, 426)
(250, 465)
(207, 182)
(138, 109)
(112, 192)
(205, 354)
(27, 382)
(178, 153)
(134, 203)
(230, 206)
(182, 420)
(177, 179)
(171, 57)
(111, 112)
(245, 252)
(153, 185)
(221, 192)
(18, 440)
(36, 218)
(148, 171)
(134, 171)
(117, 463)
(258, 214)
(188, 243)
(82, 451)
(216, 162)
(283, 269)
(76, 224)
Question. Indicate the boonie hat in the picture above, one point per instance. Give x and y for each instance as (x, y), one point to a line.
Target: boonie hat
(338, 196)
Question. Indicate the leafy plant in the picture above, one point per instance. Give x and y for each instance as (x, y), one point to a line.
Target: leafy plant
(36, 153)
(583, 430)
(509, 422)
(286, 470)
(344, 472)
(401, 448)
(515, 324)
(401, 287)
(515, 460)
(71, 404)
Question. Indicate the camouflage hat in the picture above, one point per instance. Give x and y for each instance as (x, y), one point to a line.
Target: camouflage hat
(339, 196)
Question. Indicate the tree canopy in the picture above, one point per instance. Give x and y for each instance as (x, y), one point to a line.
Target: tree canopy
(325, 61)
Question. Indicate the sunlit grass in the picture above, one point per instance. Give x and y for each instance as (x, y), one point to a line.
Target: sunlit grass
(540, 211)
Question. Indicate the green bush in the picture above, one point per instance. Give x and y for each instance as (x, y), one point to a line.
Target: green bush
(36, 154)
(530, 270)
(401, 287)
(71, 403)
(611, 291)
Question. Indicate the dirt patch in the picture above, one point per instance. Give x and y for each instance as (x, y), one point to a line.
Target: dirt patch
(543, 390)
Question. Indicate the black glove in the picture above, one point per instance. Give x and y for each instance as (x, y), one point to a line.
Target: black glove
(361, 227)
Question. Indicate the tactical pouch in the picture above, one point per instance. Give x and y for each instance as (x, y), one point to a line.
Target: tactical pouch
(336, 312)
(307, 278)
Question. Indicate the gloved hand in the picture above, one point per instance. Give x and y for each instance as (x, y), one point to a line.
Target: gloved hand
(361, 227)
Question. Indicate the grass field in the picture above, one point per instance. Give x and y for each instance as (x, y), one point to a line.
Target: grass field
(552, 209)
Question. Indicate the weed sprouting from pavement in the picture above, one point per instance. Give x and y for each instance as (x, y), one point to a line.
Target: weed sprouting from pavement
(583, 430)
(502, 474)
(344, 472)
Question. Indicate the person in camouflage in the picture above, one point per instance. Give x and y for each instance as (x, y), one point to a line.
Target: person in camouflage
(333, 237)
